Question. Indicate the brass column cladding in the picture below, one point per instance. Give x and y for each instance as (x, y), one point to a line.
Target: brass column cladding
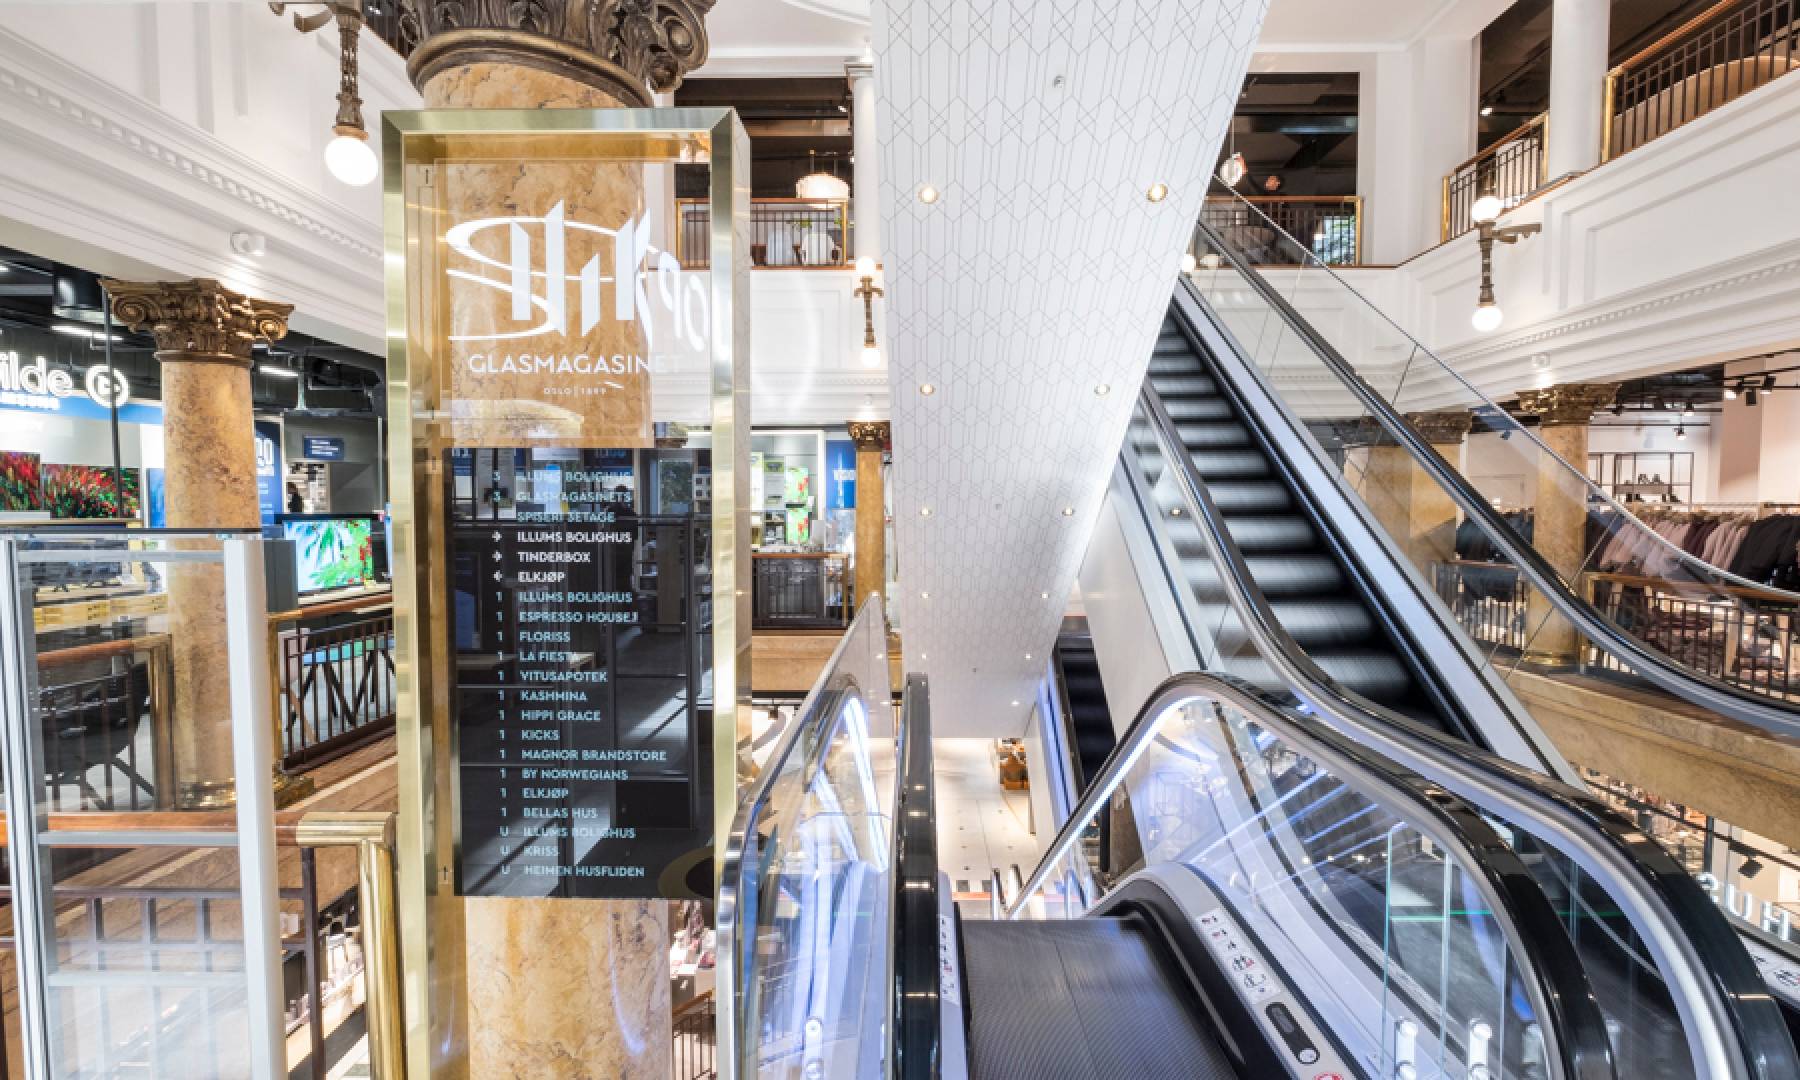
(871, 439)
(203, 333)
(550, 987)
(1559, 526)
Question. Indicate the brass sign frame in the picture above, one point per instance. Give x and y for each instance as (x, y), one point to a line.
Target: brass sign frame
(431, 916)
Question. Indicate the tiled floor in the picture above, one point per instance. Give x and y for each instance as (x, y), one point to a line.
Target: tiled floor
(980, 827)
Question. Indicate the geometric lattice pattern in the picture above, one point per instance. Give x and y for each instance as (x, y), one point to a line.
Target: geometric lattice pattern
(1041, 273)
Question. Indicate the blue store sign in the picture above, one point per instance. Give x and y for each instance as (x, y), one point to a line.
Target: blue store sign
(268, 469)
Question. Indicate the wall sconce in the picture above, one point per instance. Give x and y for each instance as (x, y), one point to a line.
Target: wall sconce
(867, 292)
(348, 156)
(1484, 213)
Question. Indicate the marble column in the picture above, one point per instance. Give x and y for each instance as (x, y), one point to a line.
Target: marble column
(549, 988)
(1559, 526)
(1413, 508)
(203, 333)
(1579, 44)
(865, 189)
(871, 438)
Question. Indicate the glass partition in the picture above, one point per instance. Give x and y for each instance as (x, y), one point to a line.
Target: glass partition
(141, 893)
(1701, 602)
(805, 942)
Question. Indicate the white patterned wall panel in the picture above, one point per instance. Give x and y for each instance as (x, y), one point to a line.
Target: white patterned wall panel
(1041, 273)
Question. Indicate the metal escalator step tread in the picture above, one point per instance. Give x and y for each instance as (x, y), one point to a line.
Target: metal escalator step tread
(1281, 576)
(1376, 675)
(1199, 408)
(1239, 497)
(1254, 534)
(1314, 623)
(1082, 999)
(1211, 436)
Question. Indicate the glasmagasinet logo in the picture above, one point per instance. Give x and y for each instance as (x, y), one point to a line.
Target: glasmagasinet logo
(640, 284)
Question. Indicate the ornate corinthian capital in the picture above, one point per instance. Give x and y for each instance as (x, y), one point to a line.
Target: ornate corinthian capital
(870, 434)
(1570, 403)
(622, 45)
(199, 320)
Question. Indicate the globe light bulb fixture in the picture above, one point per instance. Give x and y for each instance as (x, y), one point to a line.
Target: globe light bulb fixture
(1731, 393)
(865, 266)
(1487, 318)
(871, 356)
(1158, 192)
(1486, 209)
(1188, 262)
(928, 194)
(350, 159)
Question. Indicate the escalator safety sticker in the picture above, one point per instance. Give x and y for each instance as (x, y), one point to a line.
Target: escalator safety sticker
(949, 979)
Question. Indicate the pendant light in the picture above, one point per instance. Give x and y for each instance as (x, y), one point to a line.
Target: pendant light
(820, 186)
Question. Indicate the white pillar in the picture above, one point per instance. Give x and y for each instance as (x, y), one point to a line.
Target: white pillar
(865, 194)
(1417, 121)
(1579, 31)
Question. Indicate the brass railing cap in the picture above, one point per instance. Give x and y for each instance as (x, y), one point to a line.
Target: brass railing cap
(328, 828)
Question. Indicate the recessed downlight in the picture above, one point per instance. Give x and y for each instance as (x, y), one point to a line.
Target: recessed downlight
(1158, 192)
(1102, 390)
(1027, 656)
(1068, 511)
(928, 194)
(927, 389)
(924, 596)
(924, 511)
(1043, 596)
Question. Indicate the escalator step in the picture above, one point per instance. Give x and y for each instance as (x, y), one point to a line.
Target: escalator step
(1254, 534)
(1278, 576)
(1198, 408)
(1376, 675)
(1082, 999)
(1239, 497)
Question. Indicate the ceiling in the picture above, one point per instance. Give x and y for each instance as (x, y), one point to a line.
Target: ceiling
(1039, 275)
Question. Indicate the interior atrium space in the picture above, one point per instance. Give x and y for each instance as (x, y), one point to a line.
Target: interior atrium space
(899, 540)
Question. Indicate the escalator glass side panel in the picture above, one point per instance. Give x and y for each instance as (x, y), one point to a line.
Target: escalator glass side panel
(1391, 916)
(1537, 560)
(806, 897)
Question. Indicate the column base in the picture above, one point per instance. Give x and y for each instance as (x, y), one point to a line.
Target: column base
(222, 795)
(1548, 661)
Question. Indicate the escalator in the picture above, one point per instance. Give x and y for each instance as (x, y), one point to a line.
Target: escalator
(1241, 467)
(1088, 721)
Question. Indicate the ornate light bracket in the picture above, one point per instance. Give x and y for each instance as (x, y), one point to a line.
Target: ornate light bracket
(867, 292)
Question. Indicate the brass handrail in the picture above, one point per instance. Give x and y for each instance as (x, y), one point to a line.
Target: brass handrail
(1608, 140)
(370, 832)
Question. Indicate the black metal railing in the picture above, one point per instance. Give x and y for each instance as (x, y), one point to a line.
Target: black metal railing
(1745, 640)
(1330, 226)
(783, 232)
(389, 21)
(1488, 599)
(1720, 55)
(800, 592)
(337, 689)
(1510, 169)
(695, 1045)
(97, 746)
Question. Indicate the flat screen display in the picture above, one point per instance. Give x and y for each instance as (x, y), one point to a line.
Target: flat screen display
(331, 553)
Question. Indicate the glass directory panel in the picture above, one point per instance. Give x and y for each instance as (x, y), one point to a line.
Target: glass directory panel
(582, 623)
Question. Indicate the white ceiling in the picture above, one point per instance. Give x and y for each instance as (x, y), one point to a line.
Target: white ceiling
(1041, 273)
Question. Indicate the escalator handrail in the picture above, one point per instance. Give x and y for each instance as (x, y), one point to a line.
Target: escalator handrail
(1735, 1031)
(1574, 1032)
(916, 1005)
(1695, 687)
(1489, 407)
(828, 690)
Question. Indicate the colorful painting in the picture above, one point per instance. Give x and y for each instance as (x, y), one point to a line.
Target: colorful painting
(332, 554)
(86, 491)
(21, 482)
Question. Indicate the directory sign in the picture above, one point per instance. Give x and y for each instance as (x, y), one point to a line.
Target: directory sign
(582, 708)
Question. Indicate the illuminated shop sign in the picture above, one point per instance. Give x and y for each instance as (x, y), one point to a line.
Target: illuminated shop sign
(37, 385)
(1769, 917)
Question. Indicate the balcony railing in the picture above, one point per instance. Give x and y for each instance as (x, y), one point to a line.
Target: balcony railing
(1739, 636)
(335, 678)
(1330, 224)
(1720, 55)
(1511, 169)
(783, 232)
